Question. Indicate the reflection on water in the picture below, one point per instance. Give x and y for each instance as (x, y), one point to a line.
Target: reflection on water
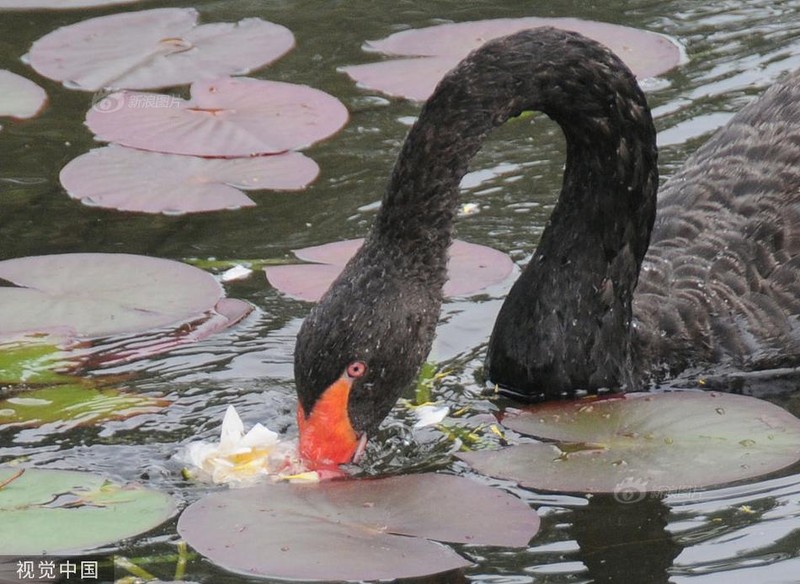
(747, 533)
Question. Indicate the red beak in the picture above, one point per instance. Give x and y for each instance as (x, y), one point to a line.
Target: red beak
(327, 438)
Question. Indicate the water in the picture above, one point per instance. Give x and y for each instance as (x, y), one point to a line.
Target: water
(746, 533)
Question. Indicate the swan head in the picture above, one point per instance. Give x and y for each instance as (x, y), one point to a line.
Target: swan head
(327, 435)
(359, 348)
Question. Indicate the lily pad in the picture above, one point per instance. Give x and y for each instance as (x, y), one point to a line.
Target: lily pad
(667, 442)
(356, 529)
(66, 406)
(58, 4)
(32, 362)
(227, 117)
(113, 177)
(92, 295)
(437, 49)
(155, 48)
(20, 97)
(471, 268)
(116, 350)
(64, 512)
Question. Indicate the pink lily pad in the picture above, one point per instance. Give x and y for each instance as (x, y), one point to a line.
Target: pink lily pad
(20, 97)
(155, 48)
(667, 442)
(113, 177)
(471, 268)
(226, 313)
(437, 49)
(227, 117)
(95, 294)
(356, 529)
(58, 4)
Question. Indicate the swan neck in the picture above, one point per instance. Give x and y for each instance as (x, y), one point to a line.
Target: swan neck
(566, 321)
(576, 82)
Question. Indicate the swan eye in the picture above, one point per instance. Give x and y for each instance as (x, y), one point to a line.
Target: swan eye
(356, 369)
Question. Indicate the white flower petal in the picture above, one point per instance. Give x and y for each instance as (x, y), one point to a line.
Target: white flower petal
(232, 430)
(430, 415)
(237, 272)
(260, 436)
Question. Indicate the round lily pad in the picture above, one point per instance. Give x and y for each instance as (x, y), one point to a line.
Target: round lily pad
(155, 48)
(150, 182)
(375, 529)
(97, 294)
(20, 97)
(665, 442)
(226, 117)
(437, 49)
(65, 512)
(471, 268)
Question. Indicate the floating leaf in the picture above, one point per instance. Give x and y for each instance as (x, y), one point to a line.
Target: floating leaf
(155, 48)
(226, 313)
(60, 512)
(94, 295)
(69, 405)
(58, 4)
(112, 177)
(356, 529)
(20, 97)
(32, 363)
(437, 49)
(226, 117)
(471, 269)
(667, 442)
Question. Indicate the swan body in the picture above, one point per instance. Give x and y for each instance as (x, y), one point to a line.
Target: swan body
(719, 284)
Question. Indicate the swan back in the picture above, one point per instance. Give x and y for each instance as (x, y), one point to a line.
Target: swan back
(721, 281)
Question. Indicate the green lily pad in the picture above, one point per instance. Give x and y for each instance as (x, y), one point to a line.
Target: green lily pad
(32, 363)
(70, 405)
(66, 512)
(375, 529)
(667, 442)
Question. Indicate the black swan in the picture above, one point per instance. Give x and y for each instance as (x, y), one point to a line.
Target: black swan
(719, 284)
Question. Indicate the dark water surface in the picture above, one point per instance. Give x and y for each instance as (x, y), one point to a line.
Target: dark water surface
(748, 533)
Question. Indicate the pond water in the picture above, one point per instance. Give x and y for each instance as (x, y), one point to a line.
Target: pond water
(746, 533)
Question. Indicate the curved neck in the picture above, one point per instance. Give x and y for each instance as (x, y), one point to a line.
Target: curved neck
(576, 82)
(573, 300)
